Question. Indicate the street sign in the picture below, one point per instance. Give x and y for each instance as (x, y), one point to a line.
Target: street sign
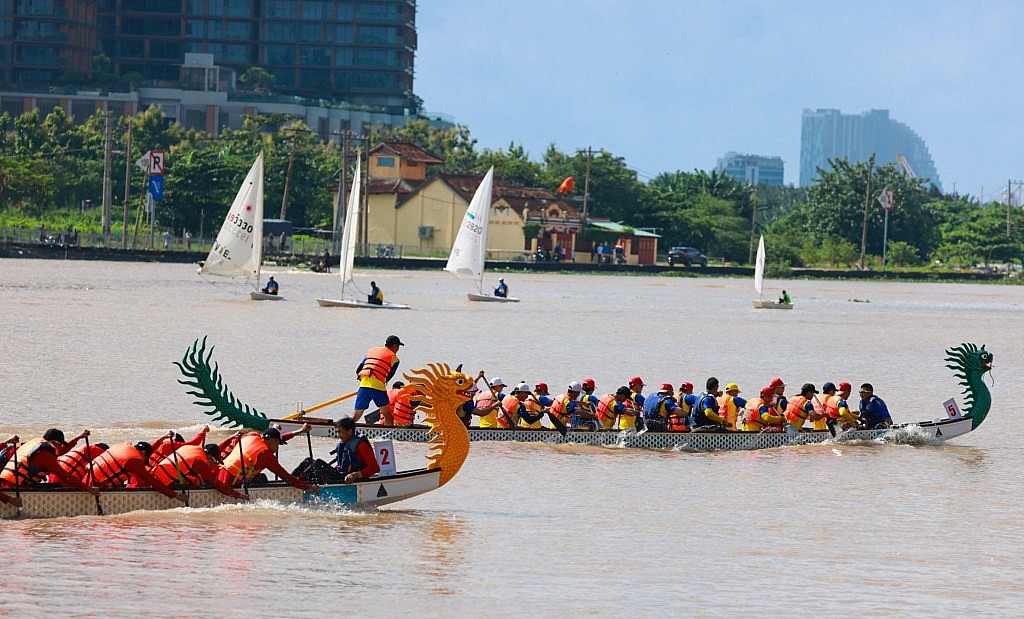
(156, 163)
(156, 187)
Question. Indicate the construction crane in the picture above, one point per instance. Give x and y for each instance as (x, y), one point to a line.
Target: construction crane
(905, 166)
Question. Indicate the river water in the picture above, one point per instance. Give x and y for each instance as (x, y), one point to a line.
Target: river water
(527, 529)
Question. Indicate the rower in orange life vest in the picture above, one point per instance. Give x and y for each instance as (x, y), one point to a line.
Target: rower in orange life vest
(478, 406)
(257, 451)
(491, 401)
(779, 401)
(7, 449)
(759, 414)
(191, 466)
(124, 465)
(570, 406)
(34, 459)
(847, 417)
(730, 405)
(659, 407)
(374, 371)
(679, 420)
(403, 406)
(516, 411)
(162, 446)
(610, 407)
(587, 400)
(826, 407)
(800, 408)
(705, 415)
(537, 403)
(355, 459)
(76, 461)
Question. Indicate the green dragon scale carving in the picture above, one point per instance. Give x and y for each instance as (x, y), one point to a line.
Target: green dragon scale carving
(213, 394)
(969, 363)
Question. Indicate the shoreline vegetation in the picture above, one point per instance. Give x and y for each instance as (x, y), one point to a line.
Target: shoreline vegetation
(52, 251)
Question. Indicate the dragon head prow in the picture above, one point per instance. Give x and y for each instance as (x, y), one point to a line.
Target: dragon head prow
(969, 363)
(444, 391)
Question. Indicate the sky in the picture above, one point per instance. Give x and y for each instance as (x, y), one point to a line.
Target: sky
(673, 85)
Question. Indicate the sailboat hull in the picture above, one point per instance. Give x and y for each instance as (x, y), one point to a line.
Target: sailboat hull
(772, 305)
(262, 296)
(472, 296)
(359, 304)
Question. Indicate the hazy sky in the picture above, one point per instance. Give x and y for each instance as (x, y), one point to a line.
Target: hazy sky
(673, 84)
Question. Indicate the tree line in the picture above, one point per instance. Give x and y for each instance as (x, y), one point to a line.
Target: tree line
(50, 166)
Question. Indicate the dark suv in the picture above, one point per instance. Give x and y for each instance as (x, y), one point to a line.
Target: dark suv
(687, 256)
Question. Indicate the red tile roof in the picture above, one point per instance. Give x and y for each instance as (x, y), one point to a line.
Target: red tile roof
(407, 151)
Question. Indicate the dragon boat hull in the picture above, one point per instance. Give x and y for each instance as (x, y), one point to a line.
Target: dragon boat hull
(54, 502)
(927, 431)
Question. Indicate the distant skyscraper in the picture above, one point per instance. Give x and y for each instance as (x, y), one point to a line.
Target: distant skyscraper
(752, 169)
(829, 134)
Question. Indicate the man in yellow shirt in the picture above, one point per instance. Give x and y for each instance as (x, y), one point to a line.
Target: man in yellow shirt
(374, 372)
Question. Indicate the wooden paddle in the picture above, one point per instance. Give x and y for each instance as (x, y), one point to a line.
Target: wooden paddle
(88, 454)
(319, 406)
(241, 456)
(177, 467)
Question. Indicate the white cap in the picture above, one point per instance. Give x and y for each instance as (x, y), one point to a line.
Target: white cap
(497, 382)
(575, 386)
(522, 388)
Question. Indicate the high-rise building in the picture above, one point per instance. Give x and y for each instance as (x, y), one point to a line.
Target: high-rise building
(356, 52)
(829, 134)
(752, 169)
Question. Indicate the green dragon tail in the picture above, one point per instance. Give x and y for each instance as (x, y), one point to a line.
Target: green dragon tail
(969, 363)
(211, 392)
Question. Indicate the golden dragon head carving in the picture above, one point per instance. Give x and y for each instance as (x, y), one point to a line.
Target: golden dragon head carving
(443, 392)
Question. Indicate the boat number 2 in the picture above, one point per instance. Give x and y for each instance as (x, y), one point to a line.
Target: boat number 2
(384, 454)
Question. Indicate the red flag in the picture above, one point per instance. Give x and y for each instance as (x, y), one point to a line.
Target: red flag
(566, 185)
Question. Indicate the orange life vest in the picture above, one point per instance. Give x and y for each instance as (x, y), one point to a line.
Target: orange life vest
(728, 410)
(17, 470)
(378, 363)
(830, 405)
(252, 446)
(108, 468)
(677, 422)
(509, 413)
(180, 470)
(76, 461)
(557, 408)
(796, 412)
(752, 415)
(606, 410)
(485, 399)
(402, 410)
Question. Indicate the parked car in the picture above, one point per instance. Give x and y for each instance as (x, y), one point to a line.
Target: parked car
(687, 256)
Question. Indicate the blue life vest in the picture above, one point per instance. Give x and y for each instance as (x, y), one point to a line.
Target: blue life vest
(348, 460)
(873, 412)
(697, 416)
(652, 406)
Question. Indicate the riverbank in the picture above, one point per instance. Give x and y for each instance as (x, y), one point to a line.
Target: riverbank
(48, 251)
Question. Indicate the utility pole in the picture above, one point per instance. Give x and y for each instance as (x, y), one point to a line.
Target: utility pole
(1009, 203)
(867, 205)
(288, 176)
(753, 227)
(586, 187)
(106, 177)
(127, 184)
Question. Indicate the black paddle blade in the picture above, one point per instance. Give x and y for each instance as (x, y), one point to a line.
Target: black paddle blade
(372, 417)
(555, 421)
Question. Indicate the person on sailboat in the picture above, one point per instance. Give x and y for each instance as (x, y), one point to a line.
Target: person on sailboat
(502, 289)
(271, 287)
(374, 371)
(785, 298)
(376, 297)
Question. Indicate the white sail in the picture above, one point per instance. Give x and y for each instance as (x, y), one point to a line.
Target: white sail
(470, 248)
(238, 249)
(759, 266)
(348, 231)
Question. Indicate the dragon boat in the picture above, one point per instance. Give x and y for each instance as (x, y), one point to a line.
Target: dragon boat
(968, 362)
(448, 451)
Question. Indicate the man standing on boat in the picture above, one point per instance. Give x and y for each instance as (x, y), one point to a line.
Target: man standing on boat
(502, 289)
(873, 411)
(355, 459)
(374, 371)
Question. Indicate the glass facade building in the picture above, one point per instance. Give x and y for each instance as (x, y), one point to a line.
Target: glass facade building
(830, 134)
(358, 52)
(752, 169)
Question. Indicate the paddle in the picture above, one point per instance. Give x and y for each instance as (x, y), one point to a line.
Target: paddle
(511, 422)
(17, 478)
(372, 417)
(177, 467)
(88, 454)
(829, 422)
(319, 406)
(241, 456)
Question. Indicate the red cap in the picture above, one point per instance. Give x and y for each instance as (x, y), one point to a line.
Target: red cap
(588, 383)
(636, 380)
(667, 387)
(766, 391)
(686, 387)
(776, 383)
(541, 387)
(845, 387)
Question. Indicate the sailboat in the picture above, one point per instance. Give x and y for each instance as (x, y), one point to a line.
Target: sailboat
(348, 252)
(469, 251)
(238, 250)
(759, 282)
